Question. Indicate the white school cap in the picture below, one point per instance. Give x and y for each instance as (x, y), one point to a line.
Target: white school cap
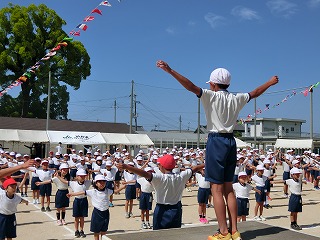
(147, 169)
(100, 177)
(81, 172)
(295, 162)
(266, 161)
(295, 171)
(63, 165)
(260, 167)
(108, 163)
(242, 174)
(220, 76)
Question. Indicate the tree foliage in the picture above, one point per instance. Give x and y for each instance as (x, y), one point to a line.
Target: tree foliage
(26, 35)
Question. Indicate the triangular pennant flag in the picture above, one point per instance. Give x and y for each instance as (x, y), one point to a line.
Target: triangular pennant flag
(45, 58)
(50, 54)
(105, 3)
(75, 33)
(67, 39)
(88, 19)
(82, 26)
(55, 49)
(316, 85)
(96, 10)
(64, 44)
(305, 92)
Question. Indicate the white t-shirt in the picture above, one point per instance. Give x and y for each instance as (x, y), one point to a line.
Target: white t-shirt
(169, 187)
(222, 109)
(201, 181)
(294, 187)
(129, 177)
(146, 186)
(60, 185)
(259, 181)
(44, 175)
(242, 191)
(109, 174)
(76, 187)
(100, 199)
(8, 206)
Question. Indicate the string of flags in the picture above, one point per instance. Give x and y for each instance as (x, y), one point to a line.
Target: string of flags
(64, 43)
(267, 106)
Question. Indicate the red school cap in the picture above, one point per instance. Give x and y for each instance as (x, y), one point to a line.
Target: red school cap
(167, 161)
(7, 182)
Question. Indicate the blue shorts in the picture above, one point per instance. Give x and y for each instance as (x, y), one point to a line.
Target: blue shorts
(145, 201)
(138, 185)
(130, 192)
(243, 206)
(295, 203)
(8, 226)
(118, 176)
(33, 183)
(285, 176)
(80, 207)
(46, 190)
(260, 197)
(203, 195)
(99, 221)
(235, 179)
(110, 185)
(267, 186)
(221, 158)
(167, 216)
(73, 172)
(61, 199)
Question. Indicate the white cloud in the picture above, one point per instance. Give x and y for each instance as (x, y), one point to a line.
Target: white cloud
(214, 20)
(282, 7)
(245, 13)
(170, 30)
(314, 3)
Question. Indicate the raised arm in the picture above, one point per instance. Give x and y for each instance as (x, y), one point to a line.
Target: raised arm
(9, 171)
(185, 82)
(135, 170)
(261, 89)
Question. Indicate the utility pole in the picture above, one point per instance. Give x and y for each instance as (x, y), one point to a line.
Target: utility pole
(311, 112)
(198, 132)
(135, 112)
(180, 121)
(115, 111)
(131, 106)
(255, 123)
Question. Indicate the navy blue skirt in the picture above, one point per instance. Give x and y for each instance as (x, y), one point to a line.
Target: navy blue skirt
(61, 199)
(130, 192)
(33, 183)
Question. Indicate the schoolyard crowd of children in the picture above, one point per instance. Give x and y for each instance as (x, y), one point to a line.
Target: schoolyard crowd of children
(101, 175)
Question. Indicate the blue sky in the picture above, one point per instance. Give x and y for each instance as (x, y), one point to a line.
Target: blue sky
(253, 39)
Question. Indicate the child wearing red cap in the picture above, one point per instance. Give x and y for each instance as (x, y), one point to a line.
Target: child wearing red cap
(8, 208)
(168, 188)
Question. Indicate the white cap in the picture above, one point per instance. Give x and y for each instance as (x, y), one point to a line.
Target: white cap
(295, 162)
(139, 158)
(99, 177)
(99, 158)
(63, 165)
(295, 171)
(131, 163)
(124, 150)
(240, 156)
(80, 151)
(260, 167)
(26, 155)
(96, 153)
(81, 172)
(57, 154)
(140, 151)
(18, 155)
(44, 161)
(242, 174)
(262, 156)
(108, 163)
(290, 150)
(220, 76)
(266, 161)
(12, 154)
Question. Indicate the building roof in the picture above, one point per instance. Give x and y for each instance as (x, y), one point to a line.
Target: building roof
(277, 120)
(62, 125)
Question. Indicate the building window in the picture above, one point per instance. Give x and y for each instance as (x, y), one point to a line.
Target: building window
(292, 129)
(287, 130)
(282, 128)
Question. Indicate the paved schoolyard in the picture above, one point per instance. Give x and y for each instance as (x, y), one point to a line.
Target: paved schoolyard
(37, 225)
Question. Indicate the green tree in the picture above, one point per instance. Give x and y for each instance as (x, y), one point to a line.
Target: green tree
(26, 35)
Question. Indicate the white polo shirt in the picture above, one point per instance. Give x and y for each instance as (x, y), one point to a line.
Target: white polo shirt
(294, 187)
(169, 187)
(222, 109)
(201, 181)
(76, 187)
(146, 186)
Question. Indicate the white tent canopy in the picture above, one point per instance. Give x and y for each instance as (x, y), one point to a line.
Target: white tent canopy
(72, 137)
(294, 143)
(84, 138)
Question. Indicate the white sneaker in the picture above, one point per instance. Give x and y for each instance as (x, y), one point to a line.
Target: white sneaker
(34, 201)
(37, 201)
(144, 226)
(59, 222)
(127, 215)
(262, 218)
(257, 218)
(149, 226)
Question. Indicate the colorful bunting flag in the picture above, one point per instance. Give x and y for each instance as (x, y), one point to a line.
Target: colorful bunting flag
(305, 92)
(105, 3)
(82, 26)
(96, 10)
(88, 19)
(75, 33)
